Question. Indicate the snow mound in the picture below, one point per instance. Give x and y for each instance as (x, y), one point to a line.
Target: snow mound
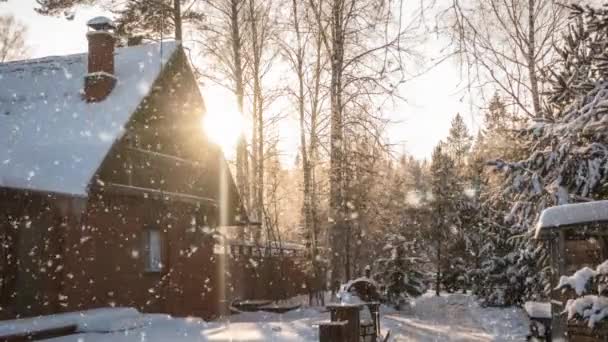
(578, 281)
(602, 268)
(591, 308)
(95, 320)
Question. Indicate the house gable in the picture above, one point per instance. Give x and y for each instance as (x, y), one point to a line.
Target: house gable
(51, 140)
(164, 153)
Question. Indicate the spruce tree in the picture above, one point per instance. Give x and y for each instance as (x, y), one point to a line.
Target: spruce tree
(398, 273)
(446, 194)
(458, 142)
(564, 159)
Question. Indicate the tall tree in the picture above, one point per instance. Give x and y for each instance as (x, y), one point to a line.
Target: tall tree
(303, 51)
(446, 194)
(221, 40)
(458, 142)
(261, 54)
(508, 43)
(365, 61)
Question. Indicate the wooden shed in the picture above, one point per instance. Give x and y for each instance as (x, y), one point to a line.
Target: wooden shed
(576, 236)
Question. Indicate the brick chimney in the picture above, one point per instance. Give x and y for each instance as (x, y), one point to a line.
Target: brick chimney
(100, 78)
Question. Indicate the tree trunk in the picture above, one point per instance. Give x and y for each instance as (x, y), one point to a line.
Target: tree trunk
(438, 278)
(336, 146)
(306, 168)
(177, 13)
(312, 151)
(241, 149)
(258, 122)
(531, 57)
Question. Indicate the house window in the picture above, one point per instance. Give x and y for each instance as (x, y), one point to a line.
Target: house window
(153, 249)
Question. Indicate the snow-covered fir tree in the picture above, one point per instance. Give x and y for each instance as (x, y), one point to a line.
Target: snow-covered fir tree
(398, 273)
(499, 273)
(564, 161)
(445, 221)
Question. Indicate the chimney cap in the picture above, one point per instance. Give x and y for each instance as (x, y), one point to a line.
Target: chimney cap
(101, 24)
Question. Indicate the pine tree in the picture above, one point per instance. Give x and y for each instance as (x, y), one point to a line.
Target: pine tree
(458, 142)
(445, 220)
(146, 18)
(160, 18)
(397, 274)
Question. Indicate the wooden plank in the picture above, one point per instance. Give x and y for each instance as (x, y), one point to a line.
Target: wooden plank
(156, 194)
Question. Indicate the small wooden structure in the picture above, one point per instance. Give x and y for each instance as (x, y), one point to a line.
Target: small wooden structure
(576, 236)
(333, 331)
(347, 313)
(540, 320)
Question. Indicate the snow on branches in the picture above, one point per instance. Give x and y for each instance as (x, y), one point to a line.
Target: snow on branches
(591, 305)
(568, 149)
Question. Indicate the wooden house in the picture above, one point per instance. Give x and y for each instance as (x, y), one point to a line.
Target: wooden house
(576, 236)
(109, 189)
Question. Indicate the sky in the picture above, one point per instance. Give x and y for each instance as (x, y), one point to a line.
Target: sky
(432, 100)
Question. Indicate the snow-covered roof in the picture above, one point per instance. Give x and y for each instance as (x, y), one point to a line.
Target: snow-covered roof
(538, 309)
(101, 21)
(51, 139)
(569, 214)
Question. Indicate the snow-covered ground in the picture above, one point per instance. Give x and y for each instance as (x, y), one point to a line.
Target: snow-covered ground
(454, 317)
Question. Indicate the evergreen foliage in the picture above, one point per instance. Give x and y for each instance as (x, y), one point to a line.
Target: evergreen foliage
(458, 142)
(146, 18)
(563, 160)
(398, 276)
(445, 221)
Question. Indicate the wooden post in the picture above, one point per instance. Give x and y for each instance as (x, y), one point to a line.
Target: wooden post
(559, 322)
(374, 310)
(333, 331)
(349, 313)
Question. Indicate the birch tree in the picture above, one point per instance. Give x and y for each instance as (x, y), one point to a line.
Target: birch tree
(220, 40)
(302, 48)
(366, 43)
(507, 43)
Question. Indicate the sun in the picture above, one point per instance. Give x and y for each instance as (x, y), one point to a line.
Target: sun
(224, 127)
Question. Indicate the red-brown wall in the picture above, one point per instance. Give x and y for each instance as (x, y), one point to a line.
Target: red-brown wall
(98, 259)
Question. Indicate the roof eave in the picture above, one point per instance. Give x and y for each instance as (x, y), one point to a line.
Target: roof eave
(548, 232)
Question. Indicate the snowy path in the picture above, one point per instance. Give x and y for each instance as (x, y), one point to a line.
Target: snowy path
(454, 317)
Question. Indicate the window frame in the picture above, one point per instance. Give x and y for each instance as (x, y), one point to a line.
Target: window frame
(153, 265)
